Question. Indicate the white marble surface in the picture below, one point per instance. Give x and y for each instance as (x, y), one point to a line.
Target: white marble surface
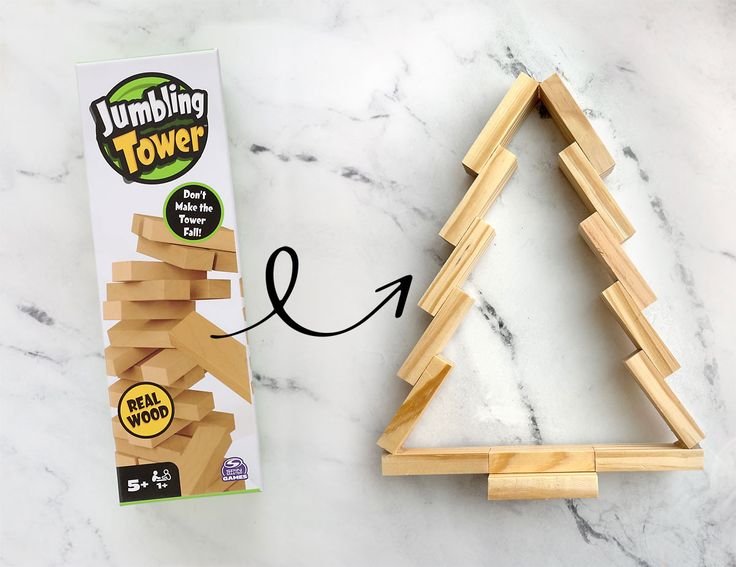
(347, 124)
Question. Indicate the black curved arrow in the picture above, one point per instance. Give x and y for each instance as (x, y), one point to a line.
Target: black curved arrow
(279, 303)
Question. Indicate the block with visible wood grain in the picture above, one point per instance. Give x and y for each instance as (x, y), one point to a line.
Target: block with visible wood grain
(209, 289)
(542, 486)
(436, 335)
(154, 228)
(609, 251)
(480, 196)
(664, 399)
(503, 123)
(593, 191)
(432, 461)
(647, 458)
(411, 410)
(149, 290)
(167, 309)
(186, 257)
(638, 328)
(541, 458)
(140, 270)
(165, 367)
(136, 333)
(458, 265)
(226, 358)
(573, 123)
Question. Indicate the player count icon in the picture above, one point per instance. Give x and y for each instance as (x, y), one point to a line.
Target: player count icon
(166, 476)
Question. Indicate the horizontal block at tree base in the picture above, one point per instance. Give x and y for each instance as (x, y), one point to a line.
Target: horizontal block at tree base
(542, 486)
(432, 461)
(542, 458)
(647, 458)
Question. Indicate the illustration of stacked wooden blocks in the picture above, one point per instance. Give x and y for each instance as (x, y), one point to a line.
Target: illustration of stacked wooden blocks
(540, 471)
(161, 338)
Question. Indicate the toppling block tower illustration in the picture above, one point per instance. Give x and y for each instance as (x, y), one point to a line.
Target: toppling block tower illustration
(539, 471)
(161, 338)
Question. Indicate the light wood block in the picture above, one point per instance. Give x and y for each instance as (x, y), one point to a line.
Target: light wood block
(150, 290)
(480, 195)
(593, 191)
(607, 249)
(170, 450)
(638, 329)
(189, 379)
(208, 440)
(664, 399)
(165, 367)
(212, 469)
(116, 389)
(573, 124)
(542, 458)
(459, 264)
(226, 359)
(135, 333)
(122, 460)
(119, 432)
(117, 310)
(219, 418)
(119, 359)
(540, 486)
(417, 400)
(138, 270)
(647, 458)
(154, 228)
(225, 262)
(209, 289)
(503, 123)
(436, 336)
(193, 405)
(186, 257)
(432, 461)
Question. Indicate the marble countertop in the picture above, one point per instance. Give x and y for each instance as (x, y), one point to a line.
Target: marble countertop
(347, 124)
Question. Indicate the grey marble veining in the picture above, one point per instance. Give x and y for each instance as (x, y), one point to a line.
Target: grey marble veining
(347, 123)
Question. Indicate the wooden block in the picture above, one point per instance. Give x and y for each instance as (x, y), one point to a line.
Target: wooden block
(187, 257)
(226, 359)
(150, 290)
(146, 462)
(116, 389)
(607, 249)
(646, 458)
(122, 460)
(119, 431)
(573, 124)
(154, 228)
(417, 400)
(170, 450)
(481, 194)
(209, 289)
(165, 367)
(458, 265)
(436, 336)
(119, 359)
(219, 418)
(592, 191)
(225, 262)
(117, 310)
(206, 442)
(431, 461)
(540, 486)
(542, 458)
(503, 123)
(135, 333)
(638, 329)
(664, 399)
(137, 270)
(193, 405)
(189, 379)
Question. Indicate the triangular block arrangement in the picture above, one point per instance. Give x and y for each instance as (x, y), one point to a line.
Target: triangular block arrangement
(539, 471)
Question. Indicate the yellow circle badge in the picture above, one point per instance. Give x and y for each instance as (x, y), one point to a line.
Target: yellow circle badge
(145, 410)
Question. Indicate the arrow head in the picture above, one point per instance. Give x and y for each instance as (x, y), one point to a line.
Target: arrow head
(402, 288)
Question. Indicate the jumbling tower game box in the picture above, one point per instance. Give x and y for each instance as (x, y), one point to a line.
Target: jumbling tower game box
(166, 248)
